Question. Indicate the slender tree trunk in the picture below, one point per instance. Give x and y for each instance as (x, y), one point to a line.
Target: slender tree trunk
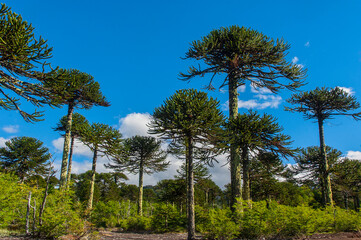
(27, 214)
(345, 199)
(325, 171)
(63, 171)
(70, 162)
(34, 217)
(235, 156)
(92, 183)
(140, 198)
(190, 193)
(246, 181)
(42, 206)
(356, 203)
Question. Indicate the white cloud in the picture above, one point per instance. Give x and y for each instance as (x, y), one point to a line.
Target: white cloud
(347, 90)
(135, 124)
(262, 90)
(241, 88)
(263, 101)
(2, 141)
(307, 44)
(295, 61)
(11, 128)
(353, 155)
(79, 147)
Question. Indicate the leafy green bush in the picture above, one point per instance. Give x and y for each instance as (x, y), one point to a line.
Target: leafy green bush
(106, 214)
(61, 216)
(220, 225)
(167, 218)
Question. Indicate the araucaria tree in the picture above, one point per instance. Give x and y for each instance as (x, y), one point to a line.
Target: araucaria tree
(253, 133)
(102, 140)
(322, 104)
(77, 90)
(79, 123)
(192, 119)
(241, 54)
(141, 155)
(20, 56)
(310, 167)
(25, 156)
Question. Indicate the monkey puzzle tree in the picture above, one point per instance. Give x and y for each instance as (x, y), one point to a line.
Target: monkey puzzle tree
(141, 155)
(192, 119)
(25, 156)
(77, 90)
(321, 104)
(252, 133)
(79, 122)
(20, 54)
(102, 140)
(310, 167)
(242, 54)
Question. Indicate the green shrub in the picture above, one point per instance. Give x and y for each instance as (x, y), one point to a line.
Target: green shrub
(166, 218)
(106, 214)
(220, 225)
(139, 223)
(61, 216)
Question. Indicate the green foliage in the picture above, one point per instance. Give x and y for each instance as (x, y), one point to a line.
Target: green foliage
(324, 103)
(79, 122)
(62, 216)
(167, 218)
(20, 54)
(25, 156)
(281, 222)
(12, 201)
(244, 54)
(220, 225)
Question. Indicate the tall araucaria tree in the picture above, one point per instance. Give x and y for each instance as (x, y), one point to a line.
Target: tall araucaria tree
(76, 90)
(79, 122)
(192, 119)
(322, 104)
(20, 56)
(253, 133)
(102, 140)
(141, 155)
(241, 54)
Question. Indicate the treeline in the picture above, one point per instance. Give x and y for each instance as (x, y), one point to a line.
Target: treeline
(264, 198)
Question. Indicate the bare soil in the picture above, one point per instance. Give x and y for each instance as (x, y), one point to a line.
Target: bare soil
(112, 234)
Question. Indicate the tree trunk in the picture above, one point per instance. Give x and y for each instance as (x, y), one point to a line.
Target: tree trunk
(70, 162)
(190, 193)
(345, 199)
(140, 198)
(63, 171)
(325, 170)
(92, 183)
(27, 214)
(356, 203)
(42, 206)
(246, 181)
(235, 156)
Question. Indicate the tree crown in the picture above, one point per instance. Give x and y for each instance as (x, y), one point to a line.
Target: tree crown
(244, 54)
(259, 133)
(324, 103)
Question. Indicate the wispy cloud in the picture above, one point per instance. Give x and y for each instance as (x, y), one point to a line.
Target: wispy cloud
(261, 102)
(307, 44)
(11, 128)
(295, 61)
(348, 90)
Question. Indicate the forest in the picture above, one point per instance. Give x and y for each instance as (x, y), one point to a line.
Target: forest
(265, 198)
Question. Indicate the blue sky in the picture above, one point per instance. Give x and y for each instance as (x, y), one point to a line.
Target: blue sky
(134, 49)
